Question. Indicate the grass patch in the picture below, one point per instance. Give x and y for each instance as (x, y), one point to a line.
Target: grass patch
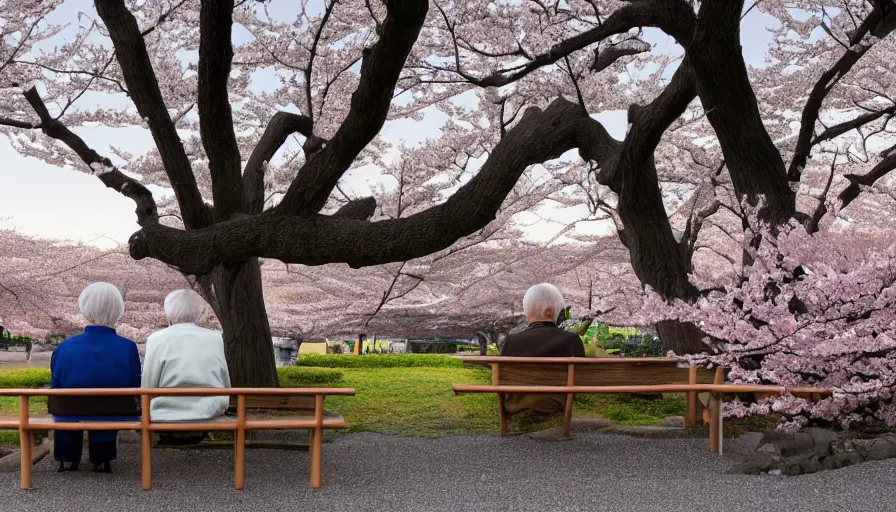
(379, 361)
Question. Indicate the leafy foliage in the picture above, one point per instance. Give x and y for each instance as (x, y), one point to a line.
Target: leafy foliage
(296, 377)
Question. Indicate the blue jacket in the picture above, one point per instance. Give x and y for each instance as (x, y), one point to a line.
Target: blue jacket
(99, 358)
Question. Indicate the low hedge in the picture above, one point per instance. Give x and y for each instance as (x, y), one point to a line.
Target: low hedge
(24, 378)
(379, 361)
(296, 377)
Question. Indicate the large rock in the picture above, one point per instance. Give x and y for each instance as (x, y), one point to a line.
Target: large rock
(812, 450)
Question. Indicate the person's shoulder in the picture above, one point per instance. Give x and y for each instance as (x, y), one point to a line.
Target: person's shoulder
(124, 341)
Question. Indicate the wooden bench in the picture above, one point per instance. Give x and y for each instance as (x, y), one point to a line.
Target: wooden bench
(598, 375)
(242, 423)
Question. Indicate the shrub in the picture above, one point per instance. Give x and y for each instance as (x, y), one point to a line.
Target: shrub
(294, 377)
(379, 361)
(25, 378)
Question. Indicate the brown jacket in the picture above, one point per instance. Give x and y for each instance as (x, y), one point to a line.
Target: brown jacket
(542, 339)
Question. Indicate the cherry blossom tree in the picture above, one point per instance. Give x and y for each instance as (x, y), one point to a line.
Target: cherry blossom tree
(814, 310)
(256, 175)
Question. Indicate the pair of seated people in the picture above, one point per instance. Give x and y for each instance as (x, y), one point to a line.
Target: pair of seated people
(182, 355)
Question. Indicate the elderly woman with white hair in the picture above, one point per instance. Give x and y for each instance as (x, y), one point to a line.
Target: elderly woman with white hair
(98, 358)
(186, 355)
(542, 305)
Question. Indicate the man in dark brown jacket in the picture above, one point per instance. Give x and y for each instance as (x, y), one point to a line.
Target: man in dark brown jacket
(542, 305)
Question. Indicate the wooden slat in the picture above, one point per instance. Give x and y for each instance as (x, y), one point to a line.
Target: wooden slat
(615, 374)
(485, 360)
(658, 388)
(300, 402)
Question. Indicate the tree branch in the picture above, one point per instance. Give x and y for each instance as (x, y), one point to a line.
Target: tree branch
(136, 67)
(280, 127)
(320, 239)
(215, 116)
(820, 90)
(754, 162)
(357, 209)
(851, 192)
(147, 213)
(381, 67)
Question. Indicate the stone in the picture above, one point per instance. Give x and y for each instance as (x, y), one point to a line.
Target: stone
(882, 448)
(673, 421)
(755, 464)
(821, 436)
(775, 472)
(11, 463)
(797, 443)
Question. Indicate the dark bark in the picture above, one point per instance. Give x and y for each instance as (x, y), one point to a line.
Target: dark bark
(136, 67)
(825, 84)
(681, 337)
(215, 116)
(239, 304)
(280, 127)
(884, 167)
(380, 70)
(147, 212)
(754, 163)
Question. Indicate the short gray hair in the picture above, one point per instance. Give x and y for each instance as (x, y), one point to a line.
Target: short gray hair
(184, 307)
(543, 300)
(101, 304)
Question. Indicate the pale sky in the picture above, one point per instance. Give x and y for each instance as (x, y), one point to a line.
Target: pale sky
(47, 201)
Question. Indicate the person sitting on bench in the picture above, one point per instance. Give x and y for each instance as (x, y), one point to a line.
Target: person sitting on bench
(542, 305)
(99, 358)
(185, 355)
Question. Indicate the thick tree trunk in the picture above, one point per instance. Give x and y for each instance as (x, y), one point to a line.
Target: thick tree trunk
(239, 303)
(657, 258)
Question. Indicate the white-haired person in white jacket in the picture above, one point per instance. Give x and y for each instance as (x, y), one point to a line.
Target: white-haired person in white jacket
(186, 355)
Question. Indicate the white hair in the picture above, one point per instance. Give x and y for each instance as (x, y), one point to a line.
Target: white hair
(101, 304)
(184, 307)
(543, 302)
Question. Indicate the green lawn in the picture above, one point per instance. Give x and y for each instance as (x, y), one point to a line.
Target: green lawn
(401, 395)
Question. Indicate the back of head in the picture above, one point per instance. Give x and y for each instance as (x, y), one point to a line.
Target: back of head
(101, 304)
(543, 303)
(184, 307)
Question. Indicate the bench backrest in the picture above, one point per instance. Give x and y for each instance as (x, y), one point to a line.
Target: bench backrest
(589, 371)
(290, 403)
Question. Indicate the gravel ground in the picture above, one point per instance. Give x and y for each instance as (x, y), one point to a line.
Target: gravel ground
(481, 473)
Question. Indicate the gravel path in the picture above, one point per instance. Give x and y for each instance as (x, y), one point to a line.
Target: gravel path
(479, 473)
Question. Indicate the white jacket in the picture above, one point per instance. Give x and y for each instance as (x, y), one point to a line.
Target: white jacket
(186, 356)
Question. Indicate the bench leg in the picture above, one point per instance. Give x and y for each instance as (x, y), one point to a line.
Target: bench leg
(26, 441)
(146, 443)
(316, 439)
(502, 416)
(691, 420)
(567, 416)
(239, 478)
(715, 424)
